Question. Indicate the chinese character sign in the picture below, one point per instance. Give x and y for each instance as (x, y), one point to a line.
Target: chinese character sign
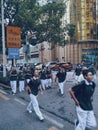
(13, 37)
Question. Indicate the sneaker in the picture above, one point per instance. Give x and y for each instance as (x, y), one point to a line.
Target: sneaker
(76, 122)
(29, 111)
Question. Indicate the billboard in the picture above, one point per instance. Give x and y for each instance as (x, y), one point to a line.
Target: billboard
(13, 37)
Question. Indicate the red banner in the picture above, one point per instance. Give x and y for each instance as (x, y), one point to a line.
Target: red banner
(13, 37)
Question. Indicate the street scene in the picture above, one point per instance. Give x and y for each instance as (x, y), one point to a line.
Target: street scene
(58, 111)
(48, 64)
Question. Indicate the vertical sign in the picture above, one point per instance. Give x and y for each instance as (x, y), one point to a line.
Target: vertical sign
(13, 37)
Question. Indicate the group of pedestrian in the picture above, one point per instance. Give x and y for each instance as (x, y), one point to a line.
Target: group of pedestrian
(82, 92)
(41, 81)
(46, 77)
(19, 78)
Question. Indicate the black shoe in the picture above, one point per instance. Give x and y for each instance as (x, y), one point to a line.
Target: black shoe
(42, 120)
(13, 93)
(49, 87)
(61, 95)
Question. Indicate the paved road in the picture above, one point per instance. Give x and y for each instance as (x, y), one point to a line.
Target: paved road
(59, 112)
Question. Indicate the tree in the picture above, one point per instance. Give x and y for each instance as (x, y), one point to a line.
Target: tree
(42, 23)
(51, 15)
(70, 29)
(10, 10)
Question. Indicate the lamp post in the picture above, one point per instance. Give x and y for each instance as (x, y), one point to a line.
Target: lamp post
(3, 39)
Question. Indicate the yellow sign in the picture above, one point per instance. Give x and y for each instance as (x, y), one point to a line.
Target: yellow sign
(13, 37)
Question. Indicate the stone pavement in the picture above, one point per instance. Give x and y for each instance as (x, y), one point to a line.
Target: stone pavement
(61, 106)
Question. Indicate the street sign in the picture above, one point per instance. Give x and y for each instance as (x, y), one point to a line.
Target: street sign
(13, 37)
(13, 53)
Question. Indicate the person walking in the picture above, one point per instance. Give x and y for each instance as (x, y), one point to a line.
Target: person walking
(43, 77)
(28, 74)
(13, 80)
(77, 72)
(21, 79)
(61, 76)
(33, 88)
(93, 70)
(82, 95)
(81, 77)
(49, 78)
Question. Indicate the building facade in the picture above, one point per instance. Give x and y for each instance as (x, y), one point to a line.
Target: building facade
(84, 15)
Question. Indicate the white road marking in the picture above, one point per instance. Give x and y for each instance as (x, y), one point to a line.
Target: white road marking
(3, 92)
(19, 101)
(60, 125)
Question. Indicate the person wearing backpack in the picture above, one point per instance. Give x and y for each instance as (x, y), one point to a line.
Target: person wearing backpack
(82, 95)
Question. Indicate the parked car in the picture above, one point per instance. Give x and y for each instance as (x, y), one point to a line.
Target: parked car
(67, 65)
(53, 65)
(38, 66)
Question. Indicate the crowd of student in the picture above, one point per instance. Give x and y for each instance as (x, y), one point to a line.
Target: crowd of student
(81, 92)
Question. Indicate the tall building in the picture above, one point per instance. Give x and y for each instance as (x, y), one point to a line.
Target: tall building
(84, 15)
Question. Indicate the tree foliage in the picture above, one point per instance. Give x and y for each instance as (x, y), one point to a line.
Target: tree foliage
(43, 22)
(70, 28)
(51, 18)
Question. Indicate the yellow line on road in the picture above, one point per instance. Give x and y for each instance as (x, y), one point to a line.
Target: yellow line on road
(4, 97)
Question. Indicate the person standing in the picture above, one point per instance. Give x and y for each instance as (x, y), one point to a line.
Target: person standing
(82, 95)
(33, 88)
(61, 76)
(21, 79)
(13, 80)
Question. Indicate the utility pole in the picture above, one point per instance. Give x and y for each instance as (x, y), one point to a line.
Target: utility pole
(3, 39)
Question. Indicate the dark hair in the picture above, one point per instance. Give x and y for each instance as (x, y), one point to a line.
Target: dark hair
(85, 72)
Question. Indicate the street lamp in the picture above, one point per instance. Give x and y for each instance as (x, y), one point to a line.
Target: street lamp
(3, 39)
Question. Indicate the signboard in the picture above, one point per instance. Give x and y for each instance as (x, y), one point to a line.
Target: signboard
(13, 53)
(13, 37)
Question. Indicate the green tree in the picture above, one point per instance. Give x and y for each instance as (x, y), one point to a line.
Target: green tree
(70, 28)
(10, 11)
(51, 15)
(45, 21)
